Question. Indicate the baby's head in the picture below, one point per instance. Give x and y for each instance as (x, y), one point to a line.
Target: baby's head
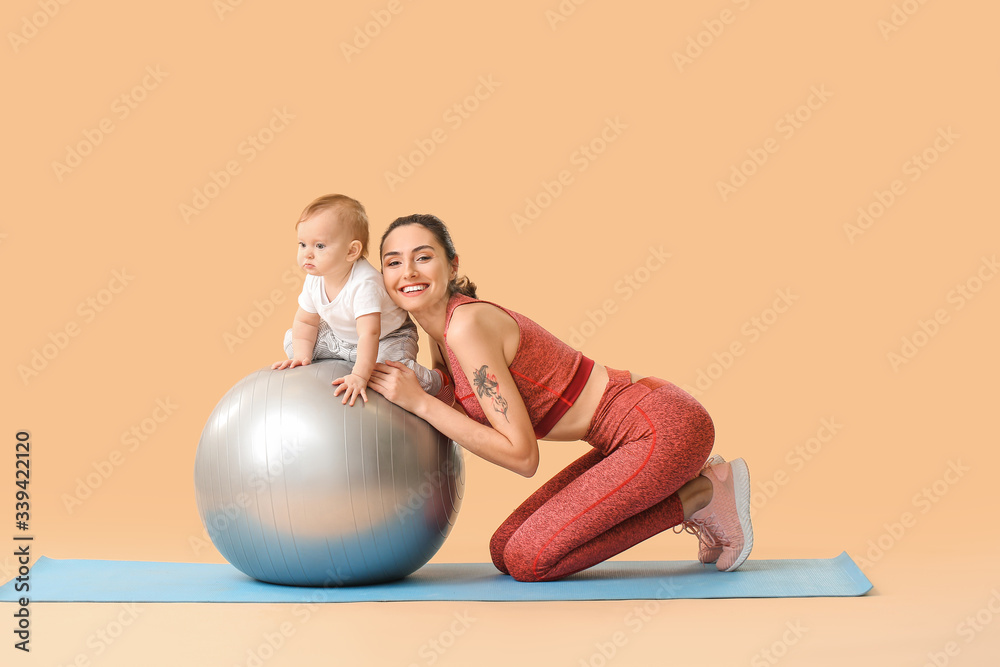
(341, 215)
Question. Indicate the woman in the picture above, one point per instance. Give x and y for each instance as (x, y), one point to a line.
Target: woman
(516, 384)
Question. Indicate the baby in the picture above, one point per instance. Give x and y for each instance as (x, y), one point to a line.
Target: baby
(344, 311)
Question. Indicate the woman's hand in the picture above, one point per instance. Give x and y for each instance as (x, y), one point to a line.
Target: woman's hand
(399, 384)
(289, 363)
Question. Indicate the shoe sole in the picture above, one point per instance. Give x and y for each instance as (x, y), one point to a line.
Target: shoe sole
(741, 489)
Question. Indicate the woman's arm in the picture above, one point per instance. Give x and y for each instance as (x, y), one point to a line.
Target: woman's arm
(477, 342)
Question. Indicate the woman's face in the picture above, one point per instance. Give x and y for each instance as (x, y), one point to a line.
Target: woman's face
(415, 268)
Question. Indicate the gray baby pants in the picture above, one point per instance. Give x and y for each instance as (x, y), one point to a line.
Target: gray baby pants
(399, 345)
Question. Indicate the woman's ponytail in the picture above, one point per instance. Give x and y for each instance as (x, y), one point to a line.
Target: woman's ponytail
(463, 285)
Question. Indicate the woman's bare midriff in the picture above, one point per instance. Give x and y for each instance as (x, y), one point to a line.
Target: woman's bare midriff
(576, 422)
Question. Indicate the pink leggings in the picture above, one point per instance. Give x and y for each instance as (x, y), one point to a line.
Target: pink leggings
(649, 439)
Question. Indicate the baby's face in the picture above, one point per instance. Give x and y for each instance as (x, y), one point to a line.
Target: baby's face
(324, 244)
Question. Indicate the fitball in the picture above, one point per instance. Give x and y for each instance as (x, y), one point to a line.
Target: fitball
(296, 488)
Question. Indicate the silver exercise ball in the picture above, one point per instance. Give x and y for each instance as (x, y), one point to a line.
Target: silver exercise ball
(296, 488)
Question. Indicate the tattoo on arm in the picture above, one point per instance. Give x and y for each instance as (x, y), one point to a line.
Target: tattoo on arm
(486, 385)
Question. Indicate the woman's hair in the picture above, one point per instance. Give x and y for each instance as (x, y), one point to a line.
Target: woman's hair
(351, 213)
(432, 223)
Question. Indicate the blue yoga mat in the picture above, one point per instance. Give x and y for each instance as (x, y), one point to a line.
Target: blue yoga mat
(71, 580)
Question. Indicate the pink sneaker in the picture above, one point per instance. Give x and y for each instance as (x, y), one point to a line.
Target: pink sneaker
(708, 549)
(727, 517)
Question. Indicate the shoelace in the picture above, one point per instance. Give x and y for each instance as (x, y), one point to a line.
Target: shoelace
(705, 530)
(705, 533)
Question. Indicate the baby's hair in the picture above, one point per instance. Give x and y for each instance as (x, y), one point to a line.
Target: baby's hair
(352, 214)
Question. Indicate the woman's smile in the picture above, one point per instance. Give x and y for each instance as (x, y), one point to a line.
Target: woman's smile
(413, 289)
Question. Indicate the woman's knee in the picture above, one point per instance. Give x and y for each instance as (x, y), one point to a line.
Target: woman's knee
(498, 543)
(522, 562)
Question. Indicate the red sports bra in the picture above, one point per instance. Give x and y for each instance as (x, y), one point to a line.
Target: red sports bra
(549, 374)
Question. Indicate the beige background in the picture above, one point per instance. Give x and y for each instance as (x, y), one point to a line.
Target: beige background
(886, 81)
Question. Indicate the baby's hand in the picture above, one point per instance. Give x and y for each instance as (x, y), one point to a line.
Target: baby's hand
(289, 363)
(352, 385)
